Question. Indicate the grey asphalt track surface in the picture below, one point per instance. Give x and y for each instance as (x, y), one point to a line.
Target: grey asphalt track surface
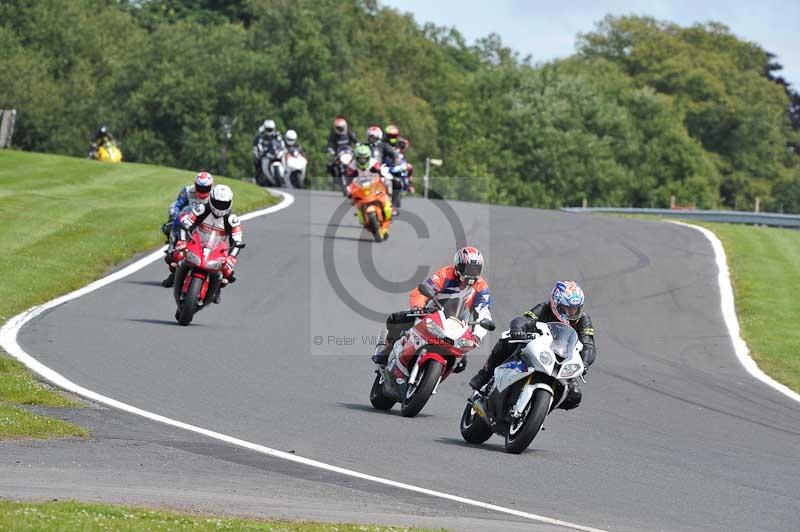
(673, 434)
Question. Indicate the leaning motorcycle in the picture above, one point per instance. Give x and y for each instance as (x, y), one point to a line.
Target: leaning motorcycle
(427, 354)
(198, 273)
(373, 207)
(296, 164)
(526, 388)
(270, 154)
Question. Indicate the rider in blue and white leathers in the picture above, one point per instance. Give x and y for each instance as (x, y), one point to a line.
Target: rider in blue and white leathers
(189, 196)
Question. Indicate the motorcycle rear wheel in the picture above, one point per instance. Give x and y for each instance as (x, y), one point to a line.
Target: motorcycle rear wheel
(419, 396)
(533, 419)
(189, 303)
(473, 428)
(374, 227)
(378, 398)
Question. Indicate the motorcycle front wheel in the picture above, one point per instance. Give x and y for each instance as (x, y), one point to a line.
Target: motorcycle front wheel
(294, 177)
(377, 397)
(521, 434)
(473, 428)
(189, 304)
(374, 226)
(418, 394)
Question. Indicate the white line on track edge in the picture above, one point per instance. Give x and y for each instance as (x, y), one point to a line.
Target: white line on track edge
(8, 341)
(729, 314)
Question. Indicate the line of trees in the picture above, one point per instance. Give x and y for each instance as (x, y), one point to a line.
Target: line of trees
(643, 110)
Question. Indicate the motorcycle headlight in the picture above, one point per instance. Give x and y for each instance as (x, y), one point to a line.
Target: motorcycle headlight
(465, 343)
(434, 328)
(192, 259)
(545, 358)
(214, 264)
(569, 371)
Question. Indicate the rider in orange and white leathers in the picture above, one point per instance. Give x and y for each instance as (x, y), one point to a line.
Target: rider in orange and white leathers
(463, 277)
(214, 217)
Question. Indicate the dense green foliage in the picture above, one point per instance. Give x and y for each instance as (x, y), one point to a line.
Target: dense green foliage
(643, 110)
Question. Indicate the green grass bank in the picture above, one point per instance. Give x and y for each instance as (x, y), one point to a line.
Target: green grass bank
(68, 221)
(57, 516)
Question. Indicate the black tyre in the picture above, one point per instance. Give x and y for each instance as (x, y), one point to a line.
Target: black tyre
(377, 397)
(473, 428)
(417, 395)
(177, 286)
(189, 304)
(521, 435)
(295, 179)
(374, 226)
(262, 178)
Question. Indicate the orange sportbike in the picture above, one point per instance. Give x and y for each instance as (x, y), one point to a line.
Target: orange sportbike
(373, 206)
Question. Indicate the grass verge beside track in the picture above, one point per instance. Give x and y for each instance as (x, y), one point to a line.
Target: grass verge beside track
(67, 222)
(764, 264)
(88, 517)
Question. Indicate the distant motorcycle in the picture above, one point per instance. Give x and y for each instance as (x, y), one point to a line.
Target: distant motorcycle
(371, 201)
(400, 171)
(270, 154)
(344, 156)
(427, 354)
(524, 389)
(296, 164)
(108, 152)
(198, 273)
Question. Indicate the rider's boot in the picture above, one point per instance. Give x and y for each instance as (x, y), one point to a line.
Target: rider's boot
(480, 379)
(382, 350)
(170, 279)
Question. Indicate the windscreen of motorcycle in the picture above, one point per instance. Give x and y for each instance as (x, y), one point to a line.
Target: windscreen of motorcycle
(211, 237)
(564, 339)
(455, 304)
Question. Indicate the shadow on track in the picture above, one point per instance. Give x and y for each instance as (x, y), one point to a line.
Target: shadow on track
(351, 238)
(368, 408)
(146, 283)
(154, 322)
(495, 448)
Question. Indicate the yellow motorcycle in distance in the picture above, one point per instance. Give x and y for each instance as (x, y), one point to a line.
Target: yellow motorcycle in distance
(108, 152)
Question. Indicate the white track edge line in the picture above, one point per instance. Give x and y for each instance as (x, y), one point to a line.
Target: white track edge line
(728, 305)
(8, 341)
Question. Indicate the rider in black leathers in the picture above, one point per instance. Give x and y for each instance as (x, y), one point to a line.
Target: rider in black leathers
(521, 325)
(340, 135)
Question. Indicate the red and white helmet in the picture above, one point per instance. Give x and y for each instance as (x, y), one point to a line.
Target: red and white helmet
(202, 185)
(221, 199)
(340, 125)
(468, 262)
(374, 134)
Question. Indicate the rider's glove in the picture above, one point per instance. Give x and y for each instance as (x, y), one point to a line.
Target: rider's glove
(518, 334)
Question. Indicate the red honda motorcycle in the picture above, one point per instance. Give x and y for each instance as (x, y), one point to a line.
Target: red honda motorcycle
(198, 275)
(427, 353)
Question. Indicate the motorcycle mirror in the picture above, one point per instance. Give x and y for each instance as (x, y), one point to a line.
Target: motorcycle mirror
(426, 290)
(487, 324)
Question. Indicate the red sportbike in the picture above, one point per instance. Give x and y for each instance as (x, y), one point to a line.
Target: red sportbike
(427, 353)
(198, 273)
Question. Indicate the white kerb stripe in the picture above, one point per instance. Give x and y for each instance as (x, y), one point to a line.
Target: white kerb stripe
(8, 341)
(729, 314)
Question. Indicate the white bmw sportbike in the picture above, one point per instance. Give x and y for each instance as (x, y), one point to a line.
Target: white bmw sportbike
(525, 388)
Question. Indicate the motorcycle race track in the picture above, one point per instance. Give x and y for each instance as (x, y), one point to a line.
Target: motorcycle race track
(672, 434)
